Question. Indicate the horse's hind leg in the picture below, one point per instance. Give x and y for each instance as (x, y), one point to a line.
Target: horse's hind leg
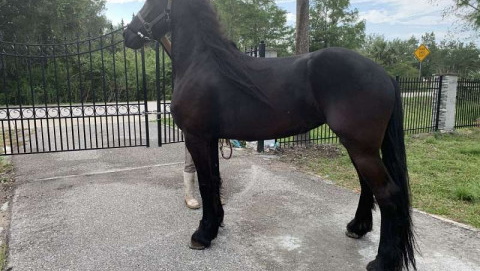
(205, 155)
(361, 224)
(372, 170)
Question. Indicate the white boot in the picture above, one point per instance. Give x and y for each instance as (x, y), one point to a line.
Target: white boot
(189, 182)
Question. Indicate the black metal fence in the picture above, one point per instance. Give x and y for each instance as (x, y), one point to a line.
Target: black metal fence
(256, 51)
(468, 103)
(419, 96)
(81, 95)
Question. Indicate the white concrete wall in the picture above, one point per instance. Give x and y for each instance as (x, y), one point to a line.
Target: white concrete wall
(448, 99)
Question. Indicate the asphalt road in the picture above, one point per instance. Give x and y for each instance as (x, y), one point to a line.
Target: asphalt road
(123, 210)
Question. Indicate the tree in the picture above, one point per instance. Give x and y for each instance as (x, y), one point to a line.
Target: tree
(302, 40)
(247, 22)
(395, 56)
(470, 10)
(458, 57)
(332, 24)
(42, 20)
(450, 57)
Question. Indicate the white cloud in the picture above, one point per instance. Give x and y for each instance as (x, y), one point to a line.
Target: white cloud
(291, 18)
(403, 11)
(377, 16)
(418, 12)
(427, 20)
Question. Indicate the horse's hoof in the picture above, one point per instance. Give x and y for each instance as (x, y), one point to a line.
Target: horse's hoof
(357, 230)
(372, 266)
(378, 265)
(196, 245)
(352, 235)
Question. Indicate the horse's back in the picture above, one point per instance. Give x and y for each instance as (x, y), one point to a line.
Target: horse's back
(340, 67)
(354, 92)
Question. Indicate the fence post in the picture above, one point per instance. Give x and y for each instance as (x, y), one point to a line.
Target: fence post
(444, 103)
(261, 49)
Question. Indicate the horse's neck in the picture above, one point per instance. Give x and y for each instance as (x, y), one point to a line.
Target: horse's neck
(183, 52)
(188, 37)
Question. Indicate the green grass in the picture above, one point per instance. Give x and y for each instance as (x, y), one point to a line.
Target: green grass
(444, 172)
(5, 170)
(3, 256)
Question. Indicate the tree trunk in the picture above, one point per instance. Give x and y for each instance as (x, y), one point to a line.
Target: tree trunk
(302, 38)
(302, 44)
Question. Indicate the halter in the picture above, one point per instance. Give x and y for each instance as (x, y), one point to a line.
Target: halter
(149, 25)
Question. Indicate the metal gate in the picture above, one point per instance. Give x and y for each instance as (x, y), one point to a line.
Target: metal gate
(87, 94)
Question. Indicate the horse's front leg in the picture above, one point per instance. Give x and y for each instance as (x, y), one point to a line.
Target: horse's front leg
(205, 156)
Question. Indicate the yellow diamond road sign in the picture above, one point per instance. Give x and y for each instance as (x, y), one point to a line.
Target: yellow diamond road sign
(421, 53)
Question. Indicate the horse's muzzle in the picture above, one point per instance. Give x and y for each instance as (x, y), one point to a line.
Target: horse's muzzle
(132, 40)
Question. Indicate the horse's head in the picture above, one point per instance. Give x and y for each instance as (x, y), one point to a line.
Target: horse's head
(151, 22)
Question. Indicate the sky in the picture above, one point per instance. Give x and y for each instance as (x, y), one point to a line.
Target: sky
(392, 19)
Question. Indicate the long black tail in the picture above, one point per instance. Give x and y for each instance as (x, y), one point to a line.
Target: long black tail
(395, 160)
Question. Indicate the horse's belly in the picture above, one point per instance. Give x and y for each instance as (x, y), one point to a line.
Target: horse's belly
(271, 125)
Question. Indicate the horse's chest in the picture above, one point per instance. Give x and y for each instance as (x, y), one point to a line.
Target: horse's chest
(190, 110)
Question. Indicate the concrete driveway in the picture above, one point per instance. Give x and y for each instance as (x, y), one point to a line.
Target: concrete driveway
(123, 210)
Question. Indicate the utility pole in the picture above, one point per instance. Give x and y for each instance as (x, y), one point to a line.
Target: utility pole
(302, 46)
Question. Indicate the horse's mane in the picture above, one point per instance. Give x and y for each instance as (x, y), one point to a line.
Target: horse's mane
(232, 63)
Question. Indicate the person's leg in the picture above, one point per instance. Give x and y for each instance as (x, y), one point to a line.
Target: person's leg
(189, 173)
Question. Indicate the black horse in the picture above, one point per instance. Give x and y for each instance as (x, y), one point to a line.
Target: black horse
(222, 93)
